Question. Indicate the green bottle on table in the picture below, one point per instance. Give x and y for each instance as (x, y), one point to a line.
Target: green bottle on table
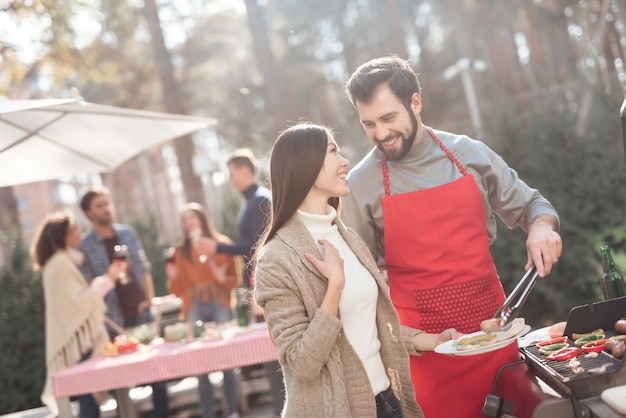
(612, 280)
(241, 309)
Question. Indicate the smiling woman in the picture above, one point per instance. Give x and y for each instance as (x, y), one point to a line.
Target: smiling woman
(326, 303)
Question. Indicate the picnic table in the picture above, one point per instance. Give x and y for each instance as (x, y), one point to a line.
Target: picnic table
(161, 360)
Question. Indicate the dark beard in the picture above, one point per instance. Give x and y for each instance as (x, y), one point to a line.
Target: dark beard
(104, 222)
(407, 142)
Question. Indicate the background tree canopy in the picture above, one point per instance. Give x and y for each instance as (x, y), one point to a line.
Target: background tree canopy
(541, 82)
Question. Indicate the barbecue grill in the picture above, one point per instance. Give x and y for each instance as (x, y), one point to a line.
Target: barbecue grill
(538, 388)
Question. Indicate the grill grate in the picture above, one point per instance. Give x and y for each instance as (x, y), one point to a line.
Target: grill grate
(568, 382)
(565, 373)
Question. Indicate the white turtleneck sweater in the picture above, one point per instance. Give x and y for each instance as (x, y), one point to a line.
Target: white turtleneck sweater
(357, 305)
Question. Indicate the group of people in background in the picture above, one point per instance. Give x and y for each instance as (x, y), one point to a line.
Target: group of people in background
(205, 271)
(360, 273)
(81, 281)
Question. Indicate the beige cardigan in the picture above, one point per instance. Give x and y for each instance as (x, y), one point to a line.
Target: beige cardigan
(324, 376)
(74, 317)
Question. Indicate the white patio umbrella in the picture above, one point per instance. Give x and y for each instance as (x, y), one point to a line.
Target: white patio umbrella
(47, 139)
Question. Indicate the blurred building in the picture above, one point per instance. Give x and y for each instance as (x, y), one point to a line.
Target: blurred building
(141, 189)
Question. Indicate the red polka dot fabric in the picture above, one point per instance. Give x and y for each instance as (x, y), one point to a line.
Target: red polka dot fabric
(462, 306)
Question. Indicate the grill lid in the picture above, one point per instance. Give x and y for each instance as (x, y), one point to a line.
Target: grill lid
(587, 318)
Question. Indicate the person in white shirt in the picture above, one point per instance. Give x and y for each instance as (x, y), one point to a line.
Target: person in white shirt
(339, 339)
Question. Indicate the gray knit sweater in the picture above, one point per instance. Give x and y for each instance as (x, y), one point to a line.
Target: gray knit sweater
(324, 376)
(427, 166)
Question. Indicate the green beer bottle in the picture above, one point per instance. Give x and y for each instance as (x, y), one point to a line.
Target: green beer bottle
(612, 280)
(241, 308)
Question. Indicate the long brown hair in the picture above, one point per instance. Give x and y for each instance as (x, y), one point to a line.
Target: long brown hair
(208, 230)
(49, 238)
(297, 157)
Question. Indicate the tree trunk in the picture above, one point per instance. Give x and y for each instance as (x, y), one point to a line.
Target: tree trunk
(194, 190)
(9, 221)
(554, 60)
(276, 95)
(501, 52)
(396, 41)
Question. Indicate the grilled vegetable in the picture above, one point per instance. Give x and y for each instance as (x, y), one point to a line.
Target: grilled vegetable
(552, 348)
(565, 354)
(587, 339)
(479, 340)
(576, 336)
(608, 346)
(619, 349)
(594, 346)
(564, 339)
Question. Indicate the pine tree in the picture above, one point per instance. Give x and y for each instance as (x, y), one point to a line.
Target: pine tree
(22, 327)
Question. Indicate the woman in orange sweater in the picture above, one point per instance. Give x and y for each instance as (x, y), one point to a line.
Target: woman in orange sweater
(205, 285)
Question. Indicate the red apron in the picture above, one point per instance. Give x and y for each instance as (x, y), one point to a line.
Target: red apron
(441, 275)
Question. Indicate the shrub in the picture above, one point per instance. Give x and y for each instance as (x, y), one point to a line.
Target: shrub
(22, 327)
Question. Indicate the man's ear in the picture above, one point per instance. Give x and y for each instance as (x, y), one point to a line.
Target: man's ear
(416, 103)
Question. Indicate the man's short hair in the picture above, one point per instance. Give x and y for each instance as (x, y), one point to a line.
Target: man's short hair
(243, 157)
(92, 193)
(395, 72)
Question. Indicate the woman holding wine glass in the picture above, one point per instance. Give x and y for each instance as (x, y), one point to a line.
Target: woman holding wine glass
(75, 309)
(205, 286)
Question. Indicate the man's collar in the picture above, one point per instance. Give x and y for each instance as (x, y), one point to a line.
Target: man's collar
(250, 191)
(100, 238)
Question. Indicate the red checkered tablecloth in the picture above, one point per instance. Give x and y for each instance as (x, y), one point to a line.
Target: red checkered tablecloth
(168, 360)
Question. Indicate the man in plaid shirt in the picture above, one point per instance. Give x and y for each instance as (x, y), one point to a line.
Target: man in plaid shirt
(129, 305)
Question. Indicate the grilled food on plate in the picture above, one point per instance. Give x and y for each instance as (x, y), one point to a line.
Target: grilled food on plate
(487, 338)
(491, 325)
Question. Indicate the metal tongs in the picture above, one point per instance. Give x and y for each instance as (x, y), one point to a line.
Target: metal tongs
(512, 305)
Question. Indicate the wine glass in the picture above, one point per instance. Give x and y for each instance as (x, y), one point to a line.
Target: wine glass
(168, 255)
(194, 236)
(120, 255)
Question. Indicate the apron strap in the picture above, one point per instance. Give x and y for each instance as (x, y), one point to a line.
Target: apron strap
(448, 153)
(446, 150)
(385, 177)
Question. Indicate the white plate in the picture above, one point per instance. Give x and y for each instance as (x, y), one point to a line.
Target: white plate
(616, 398)
(535, 336)
(449, 348)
